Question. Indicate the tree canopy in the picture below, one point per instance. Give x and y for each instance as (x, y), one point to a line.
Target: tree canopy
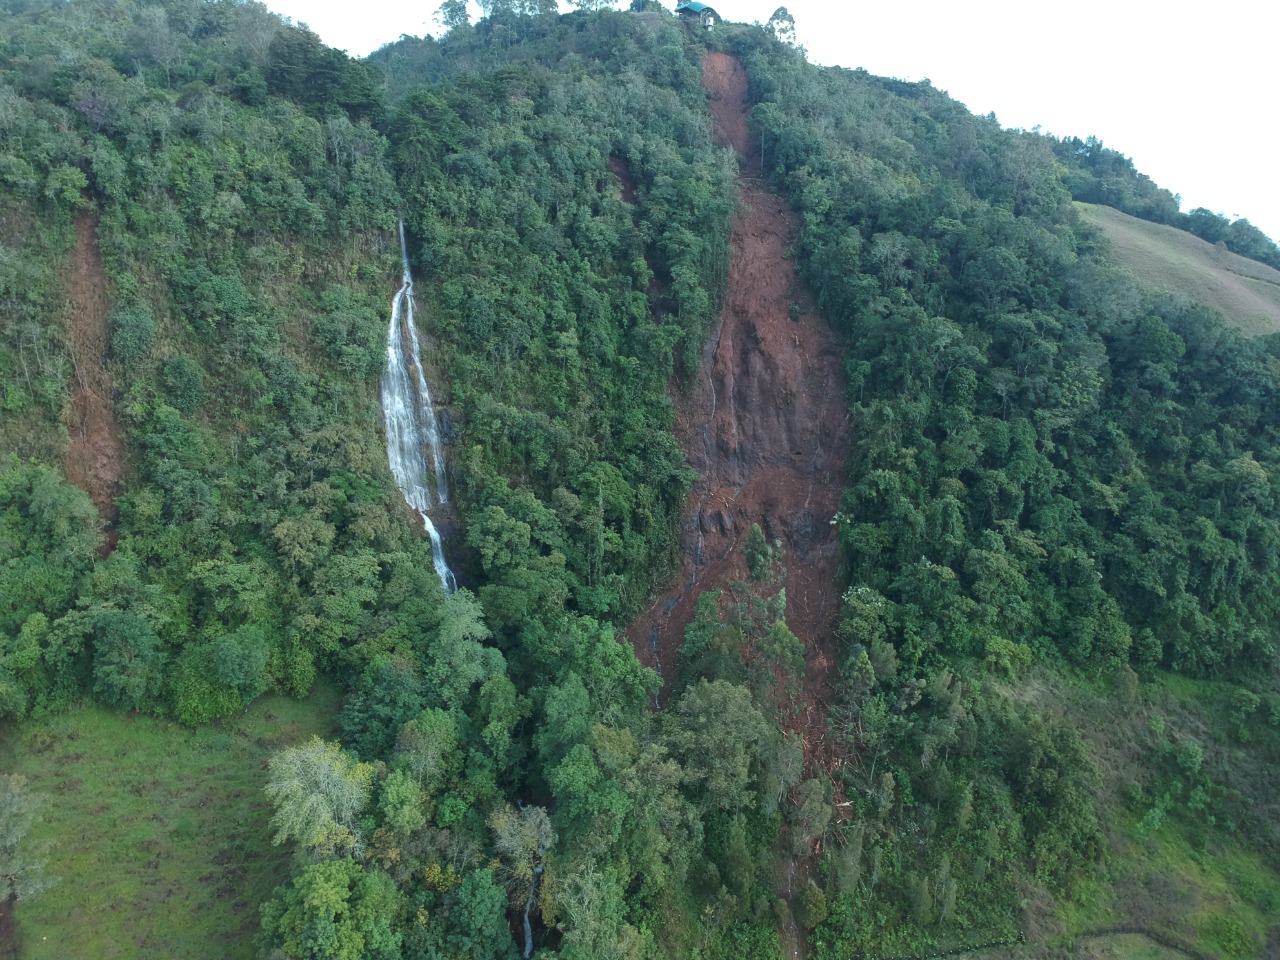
(1061, 511)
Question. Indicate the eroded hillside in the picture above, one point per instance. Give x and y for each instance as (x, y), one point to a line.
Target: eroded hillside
(95, 456)
(764, 426)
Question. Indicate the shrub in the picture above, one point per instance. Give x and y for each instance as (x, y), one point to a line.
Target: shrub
(133, 333)
(811, 906)
(184, 383)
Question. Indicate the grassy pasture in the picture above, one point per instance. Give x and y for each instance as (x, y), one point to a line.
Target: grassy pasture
(1212, 890)
(157, 833)
(1247, 293)
(1111, 946)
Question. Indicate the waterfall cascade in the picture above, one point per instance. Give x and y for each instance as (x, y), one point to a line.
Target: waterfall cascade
(413, 433)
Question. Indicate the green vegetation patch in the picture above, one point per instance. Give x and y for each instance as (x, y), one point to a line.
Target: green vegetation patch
(157, 834)
(1107, 946)
(1247, 293)
(1187, 825)
(1063, 486)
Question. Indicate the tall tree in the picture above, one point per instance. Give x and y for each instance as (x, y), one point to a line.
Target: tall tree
(319, 792)
(718, 733)
(453, 15)
(782, 25)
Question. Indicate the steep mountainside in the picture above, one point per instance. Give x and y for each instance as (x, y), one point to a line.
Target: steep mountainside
(957, 550)
(763, 425)
(1245, 292)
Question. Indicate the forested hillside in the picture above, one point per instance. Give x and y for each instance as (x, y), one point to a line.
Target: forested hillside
(1032, 693)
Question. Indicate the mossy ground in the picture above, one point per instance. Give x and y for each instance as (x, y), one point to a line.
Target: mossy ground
(157, 834)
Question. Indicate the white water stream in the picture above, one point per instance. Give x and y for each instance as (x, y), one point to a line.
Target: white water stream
(413, 434)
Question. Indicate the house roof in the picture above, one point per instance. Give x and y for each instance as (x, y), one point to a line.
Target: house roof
(693, 6)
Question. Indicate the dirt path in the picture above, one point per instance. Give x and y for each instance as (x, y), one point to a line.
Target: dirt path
(95, 458)
(766, 430)
(8, 932)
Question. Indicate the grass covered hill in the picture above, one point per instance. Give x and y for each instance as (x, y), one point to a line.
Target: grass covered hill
(1245, 292)
(156, 833)
(1039, 698)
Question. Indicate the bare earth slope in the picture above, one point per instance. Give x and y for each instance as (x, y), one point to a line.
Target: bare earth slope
(95, 457)
(765, 428)
(1244, 291)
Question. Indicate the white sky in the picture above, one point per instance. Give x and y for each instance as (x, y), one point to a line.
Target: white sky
(1189, 92)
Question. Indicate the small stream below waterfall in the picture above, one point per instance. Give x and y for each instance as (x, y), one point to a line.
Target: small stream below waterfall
(413, 432)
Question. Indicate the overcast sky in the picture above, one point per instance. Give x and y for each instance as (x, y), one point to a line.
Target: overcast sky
(1190, 95)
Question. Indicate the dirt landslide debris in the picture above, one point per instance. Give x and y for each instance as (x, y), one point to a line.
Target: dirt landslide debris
(765, 428)
(95, 457)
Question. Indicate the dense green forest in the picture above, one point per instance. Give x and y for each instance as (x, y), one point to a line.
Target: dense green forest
(1057, 700)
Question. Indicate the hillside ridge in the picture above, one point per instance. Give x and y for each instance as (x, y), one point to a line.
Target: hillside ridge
(1166, 258)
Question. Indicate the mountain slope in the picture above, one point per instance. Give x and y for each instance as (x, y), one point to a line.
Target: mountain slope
(1038, 644)
(1244, 291)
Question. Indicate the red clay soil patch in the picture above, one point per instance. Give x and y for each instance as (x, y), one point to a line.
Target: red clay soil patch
(623, 172)
(766, 430)
(95, 458)
(726, 83)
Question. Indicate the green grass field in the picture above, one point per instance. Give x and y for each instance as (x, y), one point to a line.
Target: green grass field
(1111, 946)
(1213, 890)
(157, 833)
(1247, 293)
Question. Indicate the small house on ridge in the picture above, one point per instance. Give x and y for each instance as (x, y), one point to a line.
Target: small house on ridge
(695, 12)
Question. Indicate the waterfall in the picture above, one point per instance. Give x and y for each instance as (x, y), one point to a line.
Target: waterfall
(528, 906)
(413, 434)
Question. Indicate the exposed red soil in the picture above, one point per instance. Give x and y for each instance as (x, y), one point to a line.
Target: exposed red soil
(623, 172)
(726, 82)
(766, 430)
(95, 458)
